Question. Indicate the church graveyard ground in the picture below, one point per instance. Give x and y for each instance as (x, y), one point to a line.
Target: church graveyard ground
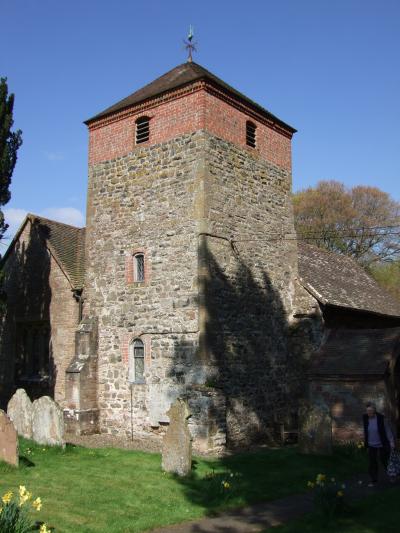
(128, 491)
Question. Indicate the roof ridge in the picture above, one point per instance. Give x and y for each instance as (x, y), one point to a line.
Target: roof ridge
(178, 77)
(40, 217)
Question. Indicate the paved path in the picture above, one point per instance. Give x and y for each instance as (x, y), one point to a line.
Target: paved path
(264, 515)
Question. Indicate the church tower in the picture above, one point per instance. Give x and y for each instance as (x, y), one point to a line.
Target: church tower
(190, 261)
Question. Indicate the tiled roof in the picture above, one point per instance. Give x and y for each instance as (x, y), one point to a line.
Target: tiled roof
(339, 281)
(179, 76)
(68, 245)
(348, 352)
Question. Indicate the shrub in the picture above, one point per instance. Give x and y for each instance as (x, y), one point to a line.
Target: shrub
(329, 496)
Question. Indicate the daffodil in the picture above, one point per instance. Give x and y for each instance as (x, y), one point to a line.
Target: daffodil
(321, 477)
(22, 490)
(339, 494)
(43, 529)
(7, 497)
(311, 484)
(226, 485)
(37, 504)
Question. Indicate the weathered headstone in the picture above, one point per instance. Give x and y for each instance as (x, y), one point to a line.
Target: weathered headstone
(315, 430)
(19, 409)
(47, 422)
(177, 443)
(8, 440)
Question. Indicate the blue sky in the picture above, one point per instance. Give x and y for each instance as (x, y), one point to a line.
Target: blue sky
(330, 68)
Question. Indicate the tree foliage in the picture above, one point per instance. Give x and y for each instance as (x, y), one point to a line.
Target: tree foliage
(362, 222)
(388, 276)
(10, 141)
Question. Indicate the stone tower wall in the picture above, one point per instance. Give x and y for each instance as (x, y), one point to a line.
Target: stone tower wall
(147, 201)
(249, 260)
(194, 178)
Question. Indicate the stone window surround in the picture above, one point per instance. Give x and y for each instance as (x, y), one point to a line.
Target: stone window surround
(126, 344)
(130, 267)
(132, 375)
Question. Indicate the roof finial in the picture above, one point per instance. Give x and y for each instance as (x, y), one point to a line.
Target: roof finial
(189, 44)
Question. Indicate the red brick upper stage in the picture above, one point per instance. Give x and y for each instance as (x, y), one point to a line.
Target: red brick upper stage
(186, 99)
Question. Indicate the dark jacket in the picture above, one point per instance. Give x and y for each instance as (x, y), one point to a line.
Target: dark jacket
(381, 430)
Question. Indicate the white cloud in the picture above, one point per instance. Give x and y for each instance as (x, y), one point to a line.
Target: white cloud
(68, 215)
(14, 217)
(54, 156)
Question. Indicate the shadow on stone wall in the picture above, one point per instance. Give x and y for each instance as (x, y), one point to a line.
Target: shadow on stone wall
(249, 354)
(26, 351)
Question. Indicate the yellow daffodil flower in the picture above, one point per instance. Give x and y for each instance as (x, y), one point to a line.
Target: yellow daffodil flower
(311, 484)
(43, 529)
(339, 494)
(7, 497)
(37, 504)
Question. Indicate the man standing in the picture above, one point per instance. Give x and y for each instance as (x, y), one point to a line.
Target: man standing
(378, 440)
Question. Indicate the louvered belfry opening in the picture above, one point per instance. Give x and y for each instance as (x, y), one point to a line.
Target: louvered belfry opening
(251, 134)
(142, 130)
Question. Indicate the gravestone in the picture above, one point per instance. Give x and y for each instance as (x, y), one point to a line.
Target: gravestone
(19, 409)
(47, 422)
(315, 430)
(177, 443)
(8, 440)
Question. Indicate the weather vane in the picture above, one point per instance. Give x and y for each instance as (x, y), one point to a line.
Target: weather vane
(189, 44)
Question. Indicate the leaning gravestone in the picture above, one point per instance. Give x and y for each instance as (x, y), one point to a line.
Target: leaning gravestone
(177, 443)
(315, 430)
(19, 409)
(8, 440)
(47, 422)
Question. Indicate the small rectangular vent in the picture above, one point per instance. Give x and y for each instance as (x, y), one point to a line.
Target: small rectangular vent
(251, 134)
(142, 130)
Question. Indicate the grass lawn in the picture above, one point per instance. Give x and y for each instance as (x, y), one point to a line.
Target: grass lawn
(112, 490)
(379, 513)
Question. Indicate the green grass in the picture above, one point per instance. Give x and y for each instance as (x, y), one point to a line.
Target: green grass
(112, 490)
(379, 513)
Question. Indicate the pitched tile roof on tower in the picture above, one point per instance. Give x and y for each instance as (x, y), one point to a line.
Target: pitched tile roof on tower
(180, 76)
(339, 281)
(358, 352)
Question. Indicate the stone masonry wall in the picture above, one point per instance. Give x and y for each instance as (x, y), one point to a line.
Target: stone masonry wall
(37, 292)
(147, 201)
(248, 272)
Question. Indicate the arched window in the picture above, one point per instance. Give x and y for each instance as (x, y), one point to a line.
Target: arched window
(142, 133)
(136, 362)
(138, 268)
(251, 134)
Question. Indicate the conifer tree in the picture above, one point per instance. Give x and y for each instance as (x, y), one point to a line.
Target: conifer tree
(10, 141)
